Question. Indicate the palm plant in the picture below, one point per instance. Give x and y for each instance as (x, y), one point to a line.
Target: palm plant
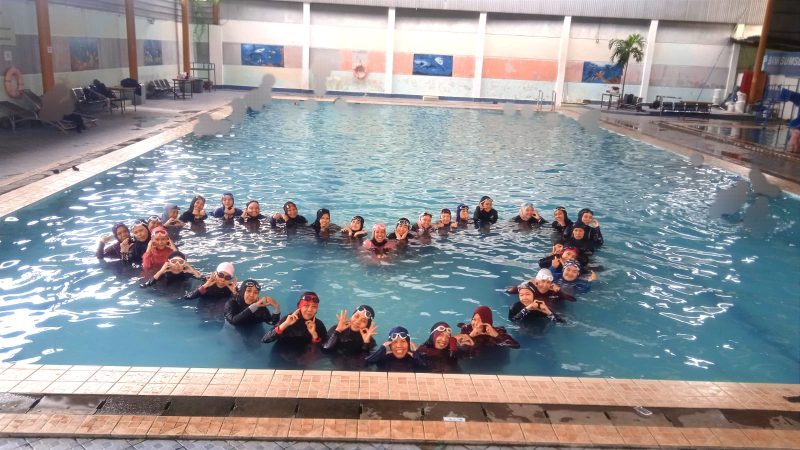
(623, 50)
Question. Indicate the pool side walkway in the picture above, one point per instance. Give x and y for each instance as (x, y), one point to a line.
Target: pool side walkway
(291, 405)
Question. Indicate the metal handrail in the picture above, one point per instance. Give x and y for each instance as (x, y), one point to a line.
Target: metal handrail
(553, 104)
(539, 100)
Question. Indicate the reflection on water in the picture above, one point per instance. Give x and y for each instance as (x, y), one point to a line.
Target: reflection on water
(679, 295)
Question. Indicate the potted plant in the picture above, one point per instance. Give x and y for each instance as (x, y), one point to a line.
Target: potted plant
(623, 50)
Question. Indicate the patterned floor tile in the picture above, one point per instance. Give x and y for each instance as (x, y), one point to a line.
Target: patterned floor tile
(158, 444)
(106, 444)
(12, 443)
(55, 444)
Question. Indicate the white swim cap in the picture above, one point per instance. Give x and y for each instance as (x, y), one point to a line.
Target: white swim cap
(544, 274)
(225, 267)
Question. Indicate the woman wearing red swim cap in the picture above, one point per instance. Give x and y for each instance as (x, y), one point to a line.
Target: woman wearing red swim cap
(301, 327)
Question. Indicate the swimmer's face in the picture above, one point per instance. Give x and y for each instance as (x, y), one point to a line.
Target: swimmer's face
(569, 254)
(578, 233)
(442, 341)
(358, 321)
(445, 218)
(173, 214)
(379, 234)
(526, 296)
(399, 348)
(160, 241)
(154, 224)
(355, 225)
(476, 322)
(221, 282)
(309, 310)
(586, 218)
(325, 221)
(425, 221)
(558, 249)
(527, 212)
(464, 214)
(543, 285)
(486, 205)
(559, 214)
(251, 295)
(123, 234)
(253, 209)
(291, 210)
(140, 233)
(401, 228)
(227, 201)
(570, 273)
(199, 205)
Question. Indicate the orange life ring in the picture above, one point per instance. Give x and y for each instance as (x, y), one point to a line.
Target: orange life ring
(360, 72)
(14, 83)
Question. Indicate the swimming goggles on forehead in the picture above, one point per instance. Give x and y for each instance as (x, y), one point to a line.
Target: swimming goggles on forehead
(177, 261)
(252, 284)
(309, 298)
(366, 312)
(442, 329)
(403, 222)
(159, 232)
(152, 218)
(138, 222)
(399, 335)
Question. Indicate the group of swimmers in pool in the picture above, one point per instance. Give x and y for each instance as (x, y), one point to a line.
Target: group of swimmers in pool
(561, 276)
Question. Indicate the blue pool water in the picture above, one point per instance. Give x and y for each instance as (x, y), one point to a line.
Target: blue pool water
(680, 296)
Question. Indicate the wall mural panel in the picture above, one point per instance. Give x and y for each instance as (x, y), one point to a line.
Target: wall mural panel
(435, 65)
(152, 53)
(596, 73)
(262, 55)
(84, 54)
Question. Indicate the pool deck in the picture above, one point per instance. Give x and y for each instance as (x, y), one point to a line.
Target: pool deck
(107, 406)
(334, 407)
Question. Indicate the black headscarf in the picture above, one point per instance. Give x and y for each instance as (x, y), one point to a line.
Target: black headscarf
(116, 227)
(320, 212)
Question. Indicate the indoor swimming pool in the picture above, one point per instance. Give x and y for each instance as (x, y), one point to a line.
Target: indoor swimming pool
(679, 296)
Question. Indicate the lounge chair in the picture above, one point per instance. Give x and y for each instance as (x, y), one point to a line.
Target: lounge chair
(17, 114)
(84, 105)
(61, 125)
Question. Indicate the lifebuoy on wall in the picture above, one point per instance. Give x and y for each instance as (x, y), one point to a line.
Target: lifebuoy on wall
(360, 72)
(13, 82)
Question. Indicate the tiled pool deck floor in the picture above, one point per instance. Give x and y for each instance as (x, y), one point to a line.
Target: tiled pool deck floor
(151, 407)
(285, 405)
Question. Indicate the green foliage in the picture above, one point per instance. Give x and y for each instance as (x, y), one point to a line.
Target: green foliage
(623, 50)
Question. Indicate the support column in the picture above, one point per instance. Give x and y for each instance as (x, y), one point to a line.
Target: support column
(215, 52)
(215, 14)
(389, 71)
(130, 25)
(477, 78)
(563, 49)
(649, 51)
(45, 44)
(730, 81)
(306, 73)
(185, 33)
(759, 80)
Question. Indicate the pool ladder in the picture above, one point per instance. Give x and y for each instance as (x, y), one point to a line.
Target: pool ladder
(540, 100)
